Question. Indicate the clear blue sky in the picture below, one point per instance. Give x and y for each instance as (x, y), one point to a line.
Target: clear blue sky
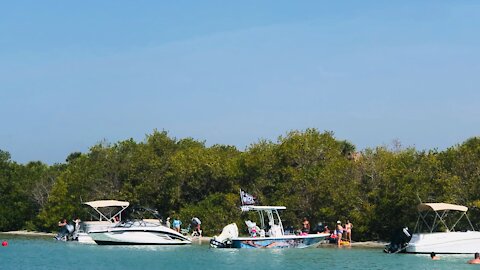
(73, 73)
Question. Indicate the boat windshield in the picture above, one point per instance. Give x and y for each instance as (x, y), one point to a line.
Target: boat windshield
(136, 223)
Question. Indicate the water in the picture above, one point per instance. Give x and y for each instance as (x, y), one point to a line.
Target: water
(45, 253)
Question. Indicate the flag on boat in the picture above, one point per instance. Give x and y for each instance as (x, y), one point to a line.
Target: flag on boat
(246, 198)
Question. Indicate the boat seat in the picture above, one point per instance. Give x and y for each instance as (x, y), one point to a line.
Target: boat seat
(253, 229)
(275, 231)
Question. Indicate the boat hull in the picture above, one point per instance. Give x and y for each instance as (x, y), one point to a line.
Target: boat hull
(88, 226)
(286, 241)
(135, 236)
(445, 242)
(85, 238)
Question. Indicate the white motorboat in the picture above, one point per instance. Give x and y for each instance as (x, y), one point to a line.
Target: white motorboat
(436, 231)
(138, 232)
(263, 236)
(111, 229)
(108, 214)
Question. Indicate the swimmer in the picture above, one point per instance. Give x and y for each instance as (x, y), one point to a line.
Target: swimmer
(476, 260)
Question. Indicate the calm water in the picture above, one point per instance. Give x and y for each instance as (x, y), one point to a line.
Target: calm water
(45, 253)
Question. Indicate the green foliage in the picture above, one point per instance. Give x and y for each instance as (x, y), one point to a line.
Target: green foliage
(16, 183)
(311, 172)
(215, 211)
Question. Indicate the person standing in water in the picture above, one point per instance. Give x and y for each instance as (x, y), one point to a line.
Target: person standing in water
(476, 260)
(348, 229)
(339, 231)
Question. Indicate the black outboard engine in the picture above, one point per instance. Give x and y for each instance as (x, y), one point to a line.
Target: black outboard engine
(399, 241)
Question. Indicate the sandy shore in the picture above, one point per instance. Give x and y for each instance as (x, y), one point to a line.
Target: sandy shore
(373, 244)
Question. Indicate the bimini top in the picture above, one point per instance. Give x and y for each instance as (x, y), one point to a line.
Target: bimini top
(441, 206)
(107, 203)
(261, 208)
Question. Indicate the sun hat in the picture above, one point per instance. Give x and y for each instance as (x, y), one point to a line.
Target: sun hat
(338, 222)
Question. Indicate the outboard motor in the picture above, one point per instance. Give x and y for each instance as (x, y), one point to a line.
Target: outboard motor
(225, 238)
(66, 233)
(399, 241)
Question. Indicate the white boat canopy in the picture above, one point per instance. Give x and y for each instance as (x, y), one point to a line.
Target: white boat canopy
(107, 203)
(441, 210)
(441, 207)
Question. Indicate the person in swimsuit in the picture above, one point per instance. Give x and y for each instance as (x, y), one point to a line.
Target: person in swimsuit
(167, 223)
(339, 231)
(305, 226)
(476, 260)
(176, 225)
(348, 228)
(434, 256)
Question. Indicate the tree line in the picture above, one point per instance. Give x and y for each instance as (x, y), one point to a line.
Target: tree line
(312, 173)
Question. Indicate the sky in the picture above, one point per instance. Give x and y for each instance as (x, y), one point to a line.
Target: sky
(76, 73)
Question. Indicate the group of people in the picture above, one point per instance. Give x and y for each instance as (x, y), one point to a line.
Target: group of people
(475, 260)
(67, 230)
(177, 223)
(341, 232)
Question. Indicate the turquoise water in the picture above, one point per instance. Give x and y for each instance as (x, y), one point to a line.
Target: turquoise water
(45, 253)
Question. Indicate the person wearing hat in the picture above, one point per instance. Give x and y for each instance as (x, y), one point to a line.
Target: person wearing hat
(167, 223)
(339, 230)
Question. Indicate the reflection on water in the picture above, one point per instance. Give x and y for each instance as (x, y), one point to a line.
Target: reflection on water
(46, 253)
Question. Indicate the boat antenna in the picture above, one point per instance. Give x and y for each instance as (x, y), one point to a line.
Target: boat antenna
(418, 197)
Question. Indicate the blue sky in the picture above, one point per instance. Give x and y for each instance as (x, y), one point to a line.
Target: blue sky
(73, 73)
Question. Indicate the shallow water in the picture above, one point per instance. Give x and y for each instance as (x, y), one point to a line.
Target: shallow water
(46, 253)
